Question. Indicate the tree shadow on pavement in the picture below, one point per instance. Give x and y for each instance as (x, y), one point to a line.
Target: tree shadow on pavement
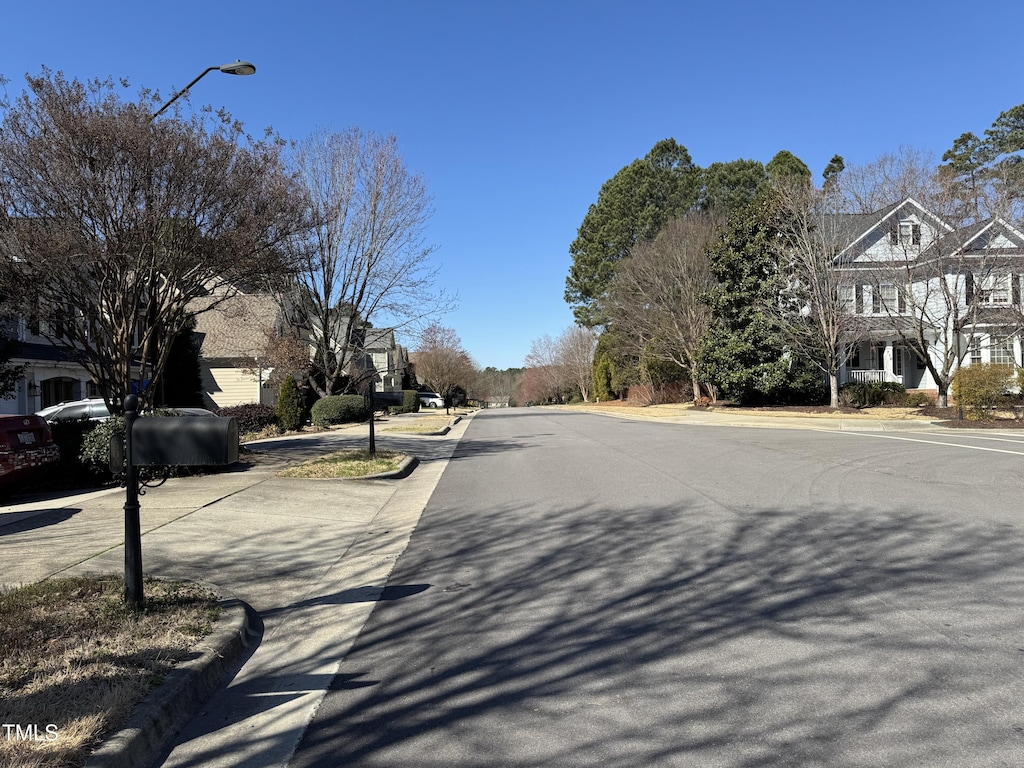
(664, 637)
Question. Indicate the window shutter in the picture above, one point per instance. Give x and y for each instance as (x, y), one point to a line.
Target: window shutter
(969, 287)
(1015, 286)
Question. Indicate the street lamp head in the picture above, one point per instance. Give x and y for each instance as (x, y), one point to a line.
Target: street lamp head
(238, 68)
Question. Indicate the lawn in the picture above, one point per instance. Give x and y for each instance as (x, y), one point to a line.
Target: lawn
(76, 660)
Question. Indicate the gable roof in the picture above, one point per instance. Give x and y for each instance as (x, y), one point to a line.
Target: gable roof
(993, 235)
(871, 223)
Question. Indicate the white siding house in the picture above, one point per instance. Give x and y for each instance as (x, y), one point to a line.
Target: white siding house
(909, 275)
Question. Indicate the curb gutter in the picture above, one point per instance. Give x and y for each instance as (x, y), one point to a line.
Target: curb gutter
(165, 711)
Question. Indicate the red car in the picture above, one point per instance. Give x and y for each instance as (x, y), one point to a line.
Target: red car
(26, 447)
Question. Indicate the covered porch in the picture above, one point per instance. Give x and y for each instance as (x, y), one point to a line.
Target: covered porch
(884, 360)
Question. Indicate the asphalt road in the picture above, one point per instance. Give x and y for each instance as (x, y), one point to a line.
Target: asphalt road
(588, 591)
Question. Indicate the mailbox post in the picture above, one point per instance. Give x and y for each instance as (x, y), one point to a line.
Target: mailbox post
(132, 527)
(162, 442)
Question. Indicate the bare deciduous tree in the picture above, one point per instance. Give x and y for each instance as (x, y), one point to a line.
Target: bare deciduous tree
(499, 385)
(812, 312)
(546, 376)
(559, 366)
(441, 362)
(576, 347)
(656, 301)
(365, 259)
(112, 224)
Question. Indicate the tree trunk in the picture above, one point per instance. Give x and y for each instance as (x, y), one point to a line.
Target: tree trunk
(833, 390)
(696, 390)
(942, 400)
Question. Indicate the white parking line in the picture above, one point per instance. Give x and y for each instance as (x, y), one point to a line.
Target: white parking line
(933, 442)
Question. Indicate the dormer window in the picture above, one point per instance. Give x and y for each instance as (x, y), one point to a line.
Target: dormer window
(906, 233)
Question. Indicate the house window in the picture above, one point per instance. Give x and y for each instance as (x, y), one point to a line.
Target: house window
(906, 233)
(910, 233)
(1000, 352)
(886, 299)
(851, 299)
(994, 290)
(897, 360)
(855, 356)
(848, 299)
(975, 350)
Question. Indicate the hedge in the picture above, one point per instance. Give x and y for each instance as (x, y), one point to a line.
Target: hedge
(290, 405)
(251, 417)
(339, 409)
(868, 393)
(410, 401)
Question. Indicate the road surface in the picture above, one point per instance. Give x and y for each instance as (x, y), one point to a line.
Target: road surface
(590, 591)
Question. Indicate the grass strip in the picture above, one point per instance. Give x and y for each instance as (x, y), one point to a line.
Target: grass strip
(77, 660)
(348, 463)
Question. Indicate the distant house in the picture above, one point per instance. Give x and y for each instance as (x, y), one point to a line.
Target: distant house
(232, 338)
(390, 360)
(52, 375)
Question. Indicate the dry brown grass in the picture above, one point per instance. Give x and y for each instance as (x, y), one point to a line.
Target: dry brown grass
(76, 660)
(348, 463)
(422, 425)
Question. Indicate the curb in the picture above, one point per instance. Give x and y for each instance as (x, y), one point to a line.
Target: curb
(165, 711)
(404, 470)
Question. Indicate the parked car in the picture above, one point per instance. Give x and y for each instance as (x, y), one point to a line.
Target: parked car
(175, 411)
(26, 448)
(431, 400)
(93, 409)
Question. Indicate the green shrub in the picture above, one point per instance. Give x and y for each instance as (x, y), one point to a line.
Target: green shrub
(95, 451)
(251, 417)
(980, 387)
(410, 401)
(290, 405)
(339, 409)
(864, 394)
(918, 399)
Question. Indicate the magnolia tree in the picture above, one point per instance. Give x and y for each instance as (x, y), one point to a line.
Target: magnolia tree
(113, 224)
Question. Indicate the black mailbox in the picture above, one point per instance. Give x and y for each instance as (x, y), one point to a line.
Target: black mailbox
(183, 441)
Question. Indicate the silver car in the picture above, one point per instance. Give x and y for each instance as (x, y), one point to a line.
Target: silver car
(93, 409)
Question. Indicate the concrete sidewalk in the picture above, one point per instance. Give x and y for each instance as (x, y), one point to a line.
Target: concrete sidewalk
(310, 556)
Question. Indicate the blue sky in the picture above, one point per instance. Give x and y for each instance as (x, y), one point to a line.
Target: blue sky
(516, 112)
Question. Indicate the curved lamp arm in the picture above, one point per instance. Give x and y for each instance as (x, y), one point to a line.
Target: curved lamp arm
(234, 68)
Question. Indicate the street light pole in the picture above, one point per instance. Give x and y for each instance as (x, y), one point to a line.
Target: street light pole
(134, 594)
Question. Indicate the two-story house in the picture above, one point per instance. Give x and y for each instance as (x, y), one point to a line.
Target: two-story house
(928, 292)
